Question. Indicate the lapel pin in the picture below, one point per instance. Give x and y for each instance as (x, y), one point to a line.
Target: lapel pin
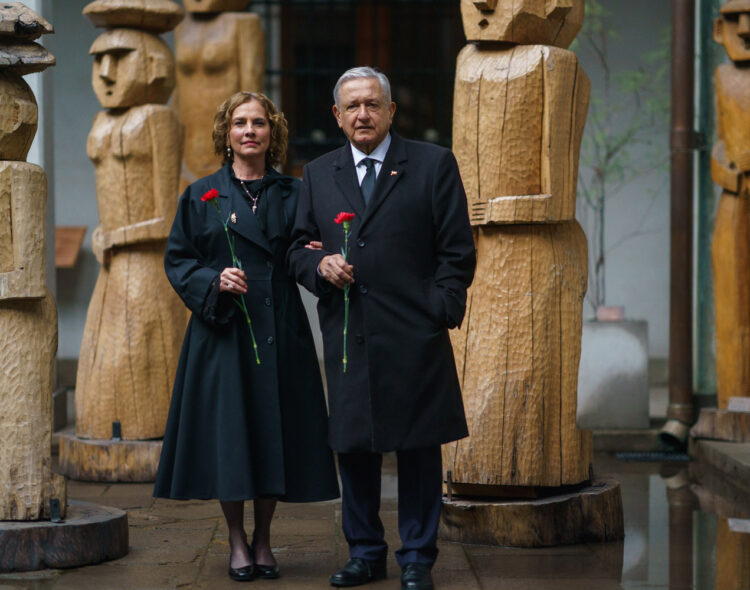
(394, 172)
(233, 217)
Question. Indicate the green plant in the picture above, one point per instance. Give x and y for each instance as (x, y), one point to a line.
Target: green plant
(625, 133)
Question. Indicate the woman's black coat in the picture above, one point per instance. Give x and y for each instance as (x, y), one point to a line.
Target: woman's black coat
(237, 429)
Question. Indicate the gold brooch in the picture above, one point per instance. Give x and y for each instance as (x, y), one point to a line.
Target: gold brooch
(233, 217)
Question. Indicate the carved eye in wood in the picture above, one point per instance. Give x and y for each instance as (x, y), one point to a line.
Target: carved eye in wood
(485, 5)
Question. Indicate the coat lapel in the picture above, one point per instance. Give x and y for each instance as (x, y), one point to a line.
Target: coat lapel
(241, 218)
(392, 170)
(346, 179)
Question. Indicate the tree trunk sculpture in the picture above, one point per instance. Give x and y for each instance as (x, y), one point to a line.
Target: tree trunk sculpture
(135, 321)
(730, 168)
(519, 112)
(218, 53)
(28, 316)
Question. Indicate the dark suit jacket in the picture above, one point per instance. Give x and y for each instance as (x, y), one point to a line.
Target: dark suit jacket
(413, 256)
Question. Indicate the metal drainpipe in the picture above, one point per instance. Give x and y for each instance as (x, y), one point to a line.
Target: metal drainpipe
(680, 413)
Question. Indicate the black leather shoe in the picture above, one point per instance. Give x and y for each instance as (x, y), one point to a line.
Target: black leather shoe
(358, 571)
(242, 574)
(416, 576)
(267, 572)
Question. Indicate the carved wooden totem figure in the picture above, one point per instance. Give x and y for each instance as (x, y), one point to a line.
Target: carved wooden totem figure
(519, 114)
(218, 53)
(135, 320)
(730, 168)
(28, 316)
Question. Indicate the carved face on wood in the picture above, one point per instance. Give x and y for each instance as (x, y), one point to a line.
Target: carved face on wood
(18, 116)
(732, 29)
(527, 22)
(215, 5)
(131, 68)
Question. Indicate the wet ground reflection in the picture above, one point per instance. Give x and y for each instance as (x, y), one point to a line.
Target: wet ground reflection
(686, 527)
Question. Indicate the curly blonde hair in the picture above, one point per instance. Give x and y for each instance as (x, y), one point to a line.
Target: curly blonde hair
(276, 154)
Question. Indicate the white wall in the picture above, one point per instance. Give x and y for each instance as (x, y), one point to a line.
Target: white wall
(638, 269)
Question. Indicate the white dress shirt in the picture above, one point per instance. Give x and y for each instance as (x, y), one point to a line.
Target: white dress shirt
(378, 154)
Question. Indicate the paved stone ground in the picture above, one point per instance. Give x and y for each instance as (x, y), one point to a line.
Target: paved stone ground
(184, 545)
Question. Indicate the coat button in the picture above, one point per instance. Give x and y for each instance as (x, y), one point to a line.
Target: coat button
(362, 289)
(361, 243)
(270, 340)
(269, 264)
(268, 301)
(359, 338)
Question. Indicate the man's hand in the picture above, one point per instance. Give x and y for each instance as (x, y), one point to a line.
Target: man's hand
(336, 270)
(314, 245)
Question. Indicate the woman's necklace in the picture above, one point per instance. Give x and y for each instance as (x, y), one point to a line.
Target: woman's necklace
(251, 196)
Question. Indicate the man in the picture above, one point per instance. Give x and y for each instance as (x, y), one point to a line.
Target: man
(410, 261)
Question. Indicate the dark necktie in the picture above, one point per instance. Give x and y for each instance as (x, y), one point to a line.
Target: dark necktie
(368, 182)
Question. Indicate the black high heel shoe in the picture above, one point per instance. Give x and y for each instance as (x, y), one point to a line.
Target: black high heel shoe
(245, 573)
(242, 574)
(266, 572)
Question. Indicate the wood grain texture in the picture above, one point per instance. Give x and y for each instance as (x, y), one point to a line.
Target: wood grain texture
(549, 22)
(159, 16)
(23, 192)
(135, 321)
(27, 354)
(518, 122)
(731, 240)
(718, 424)
(24, 57)
(18, 21)
(732, 558)
(216, 57)
(108, 460)
(89, 534)
(592, 514)
(517, 355)
(18, 116)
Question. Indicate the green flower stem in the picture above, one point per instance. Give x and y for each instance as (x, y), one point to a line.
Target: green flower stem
(240, 300)
(346, 291)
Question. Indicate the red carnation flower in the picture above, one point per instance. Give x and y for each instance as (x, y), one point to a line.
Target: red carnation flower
(344, 216)
(212, 194)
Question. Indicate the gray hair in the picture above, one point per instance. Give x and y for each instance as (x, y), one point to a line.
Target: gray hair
(363, 72)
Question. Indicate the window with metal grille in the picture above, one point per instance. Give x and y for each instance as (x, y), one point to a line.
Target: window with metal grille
(312, 42)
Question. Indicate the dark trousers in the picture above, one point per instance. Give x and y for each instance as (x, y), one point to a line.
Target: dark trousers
(420, 490)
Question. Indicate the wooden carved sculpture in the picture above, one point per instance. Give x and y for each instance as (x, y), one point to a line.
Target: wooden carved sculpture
(730, 168)
(218, 53)
(519, 113)
(28, 316)
(135, 321)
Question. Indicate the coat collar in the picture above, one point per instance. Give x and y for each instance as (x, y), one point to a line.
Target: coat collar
(392, 170)
(241, 218)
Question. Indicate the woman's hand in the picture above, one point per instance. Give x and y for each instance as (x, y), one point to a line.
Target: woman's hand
(314, 245)
(232, 280)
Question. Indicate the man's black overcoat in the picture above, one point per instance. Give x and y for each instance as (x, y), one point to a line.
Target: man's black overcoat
(236, 429)
(413, 256)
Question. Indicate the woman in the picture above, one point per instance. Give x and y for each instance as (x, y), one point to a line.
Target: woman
(244, 422)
